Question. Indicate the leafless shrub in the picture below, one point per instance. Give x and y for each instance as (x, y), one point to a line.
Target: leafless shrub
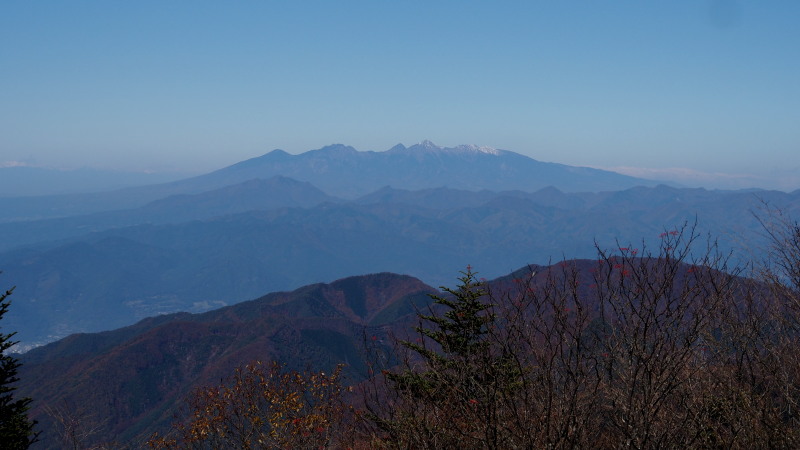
(652, 350)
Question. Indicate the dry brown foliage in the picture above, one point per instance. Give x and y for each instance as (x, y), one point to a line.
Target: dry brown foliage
(262, 406)
(653, 350)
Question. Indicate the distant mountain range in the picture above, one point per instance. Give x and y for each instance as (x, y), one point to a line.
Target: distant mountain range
(342, 171)
(196, 252)
(236, 233)
(255, 194)
(92, 262)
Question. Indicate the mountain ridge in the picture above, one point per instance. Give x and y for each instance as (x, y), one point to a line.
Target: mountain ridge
(342, 171)
(136, 377)
(122, 274)
(423, 165)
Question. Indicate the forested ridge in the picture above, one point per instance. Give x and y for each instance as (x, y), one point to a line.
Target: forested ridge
(644, 348)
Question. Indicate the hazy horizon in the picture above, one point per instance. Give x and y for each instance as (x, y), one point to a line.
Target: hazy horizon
(680, 177)
(699, 93)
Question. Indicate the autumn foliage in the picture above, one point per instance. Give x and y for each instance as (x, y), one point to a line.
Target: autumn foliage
(646, 350)
(262, 406)
(661, 349)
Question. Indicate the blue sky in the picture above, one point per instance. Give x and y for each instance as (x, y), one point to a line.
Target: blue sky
(693, 87)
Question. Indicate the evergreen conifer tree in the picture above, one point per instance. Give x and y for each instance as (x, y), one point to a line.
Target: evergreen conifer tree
(457, 337)
(454, 379)
(16, 430)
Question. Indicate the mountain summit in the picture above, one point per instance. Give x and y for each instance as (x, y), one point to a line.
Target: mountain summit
(430, 147)
(342, 171)
(346, 172)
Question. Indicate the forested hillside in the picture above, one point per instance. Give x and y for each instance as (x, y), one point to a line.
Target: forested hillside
(642, 346)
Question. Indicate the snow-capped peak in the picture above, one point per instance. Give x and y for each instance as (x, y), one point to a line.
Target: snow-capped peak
(478, 149)
(429, 146)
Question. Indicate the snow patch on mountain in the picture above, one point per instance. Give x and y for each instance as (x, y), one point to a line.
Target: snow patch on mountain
(478, 149)
(428, 146)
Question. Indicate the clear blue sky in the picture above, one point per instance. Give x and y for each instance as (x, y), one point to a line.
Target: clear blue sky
(711, 86)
